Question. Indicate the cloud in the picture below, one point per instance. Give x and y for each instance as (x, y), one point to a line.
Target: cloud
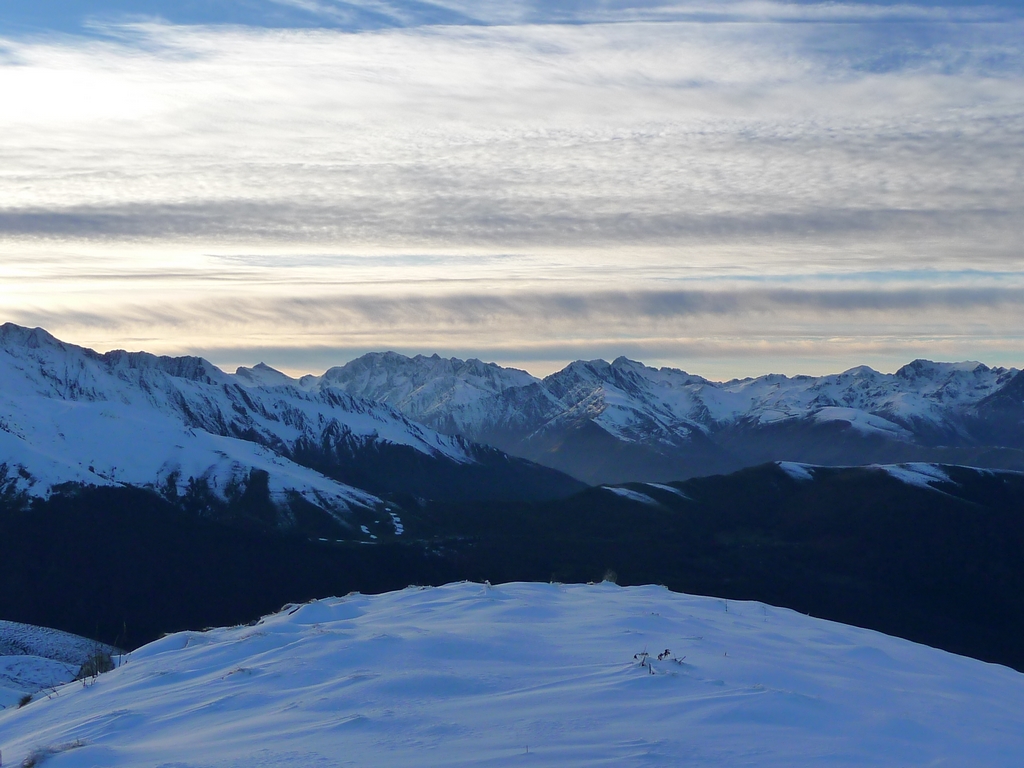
(510, 135)
(530, 188)
(90, 16)
(726, 331)
(499, 223)
(511, 317)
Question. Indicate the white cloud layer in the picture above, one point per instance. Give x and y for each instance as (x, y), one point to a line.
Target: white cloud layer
(846, 189)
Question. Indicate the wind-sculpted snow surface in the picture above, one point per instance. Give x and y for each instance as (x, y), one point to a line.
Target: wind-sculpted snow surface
(643, 417)
(537, 674)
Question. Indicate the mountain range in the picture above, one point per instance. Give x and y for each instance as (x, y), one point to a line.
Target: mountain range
(623, 421)
(347, 450)
(275, 454)
(142, 494)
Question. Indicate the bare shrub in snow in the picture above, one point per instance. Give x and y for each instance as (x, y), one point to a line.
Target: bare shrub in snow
(42, 754)
(99, 661)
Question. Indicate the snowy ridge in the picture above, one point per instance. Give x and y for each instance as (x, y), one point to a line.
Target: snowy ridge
(465, 397)
(637, 403)
(35, 658)
(18, 639)
(921, 391)
(669, 489)
(796, 470)
(539, 674)
(916, 473)
(630, 494)
(68, 414)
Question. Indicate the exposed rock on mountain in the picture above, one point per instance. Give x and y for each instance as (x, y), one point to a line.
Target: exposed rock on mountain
(252, 443)
(619, 421)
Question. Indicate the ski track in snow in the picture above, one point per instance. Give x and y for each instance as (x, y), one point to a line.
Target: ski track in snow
(532, 674)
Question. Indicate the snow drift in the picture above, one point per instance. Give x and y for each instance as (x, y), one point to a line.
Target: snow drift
(531, 674)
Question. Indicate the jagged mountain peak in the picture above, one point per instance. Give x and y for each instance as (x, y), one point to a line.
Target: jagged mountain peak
(423, 364)
(921, 368)
(84, 372)
(188, 367)
(597, 367)
(859, 372)
(30, 338)
(262, 375)
(421, 386)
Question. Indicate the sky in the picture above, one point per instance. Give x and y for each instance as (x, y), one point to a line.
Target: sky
(731, 188)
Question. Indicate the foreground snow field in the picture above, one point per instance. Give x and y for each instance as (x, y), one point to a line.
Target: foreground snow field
(530, 674)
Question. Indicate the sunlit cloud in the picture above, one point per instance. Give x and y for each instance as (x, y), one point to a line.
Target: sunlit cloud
(713, 329)
(653, 181)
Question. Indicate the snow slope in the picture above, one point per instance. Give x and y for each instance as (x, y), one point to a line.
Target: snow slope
(37, 658)
(68, 414)
(531, 674)
(916, 473)
(919, 474)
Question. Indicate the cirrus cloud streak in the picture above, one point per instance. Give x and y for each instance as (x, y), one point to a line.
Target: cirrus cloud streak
(526, 189)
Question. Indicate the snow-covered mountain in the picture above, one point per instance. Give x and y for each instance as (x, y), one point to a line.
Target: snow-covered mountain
(530, 674)
(386, 424)
(184, 427)
(610, 422)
